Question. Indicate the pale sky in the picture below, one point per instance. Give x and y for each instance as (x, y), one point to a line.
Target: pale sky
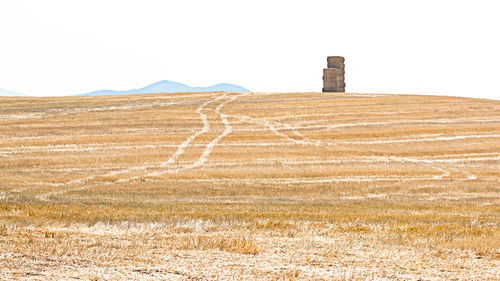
(50, 47)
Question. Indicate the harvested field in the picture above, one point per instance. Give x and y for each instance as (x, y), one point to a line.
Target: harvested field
(253, 186)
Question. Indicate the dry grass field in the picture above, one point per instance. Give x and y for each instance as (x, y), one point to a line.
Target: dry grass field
(257, 186)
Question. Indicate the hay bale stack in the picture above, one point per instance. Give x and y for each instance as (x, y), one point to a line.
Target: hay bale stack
(334, 75)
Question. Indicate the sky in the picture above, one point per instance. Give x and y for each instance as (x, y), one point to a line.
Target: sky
(64, 47)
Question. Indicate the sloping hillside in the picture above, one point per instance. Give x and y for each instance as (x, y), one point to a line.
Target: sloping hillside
(250, 185)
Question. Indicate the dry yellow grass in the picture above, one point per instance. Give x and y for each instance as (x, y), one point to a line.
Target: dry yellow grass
(265, 186)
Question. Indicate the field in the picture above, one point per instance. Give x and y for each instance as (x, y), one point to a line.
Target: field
(252, 186)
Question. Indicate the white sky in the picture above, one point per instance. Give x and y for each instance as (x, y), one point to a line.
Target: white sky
(67, 47)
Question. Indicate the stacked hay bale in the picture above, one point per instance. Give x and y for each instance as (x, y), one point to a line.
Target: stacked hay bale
(333, 76)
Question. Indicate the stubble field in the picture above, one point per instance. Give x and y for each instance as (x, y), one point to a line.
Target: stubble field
(253, 186)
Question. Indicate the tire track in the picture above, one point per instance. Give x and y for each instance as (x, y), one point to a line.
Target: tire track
(271, 127)
(172, 159)
(180, 150)
(210, 146)
(443, 138)
(182, 147)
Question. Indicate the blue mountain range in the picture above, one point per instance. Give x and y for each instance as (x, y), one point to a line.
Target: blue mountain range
(166, 86)
(5, 93)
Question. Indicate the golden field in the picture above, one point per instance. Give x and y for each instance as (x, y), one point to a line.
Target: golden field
(250, 186)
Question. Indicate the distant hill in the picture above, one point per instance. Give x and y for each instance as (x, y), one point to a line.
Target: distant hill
(5, 93)
(166, 86)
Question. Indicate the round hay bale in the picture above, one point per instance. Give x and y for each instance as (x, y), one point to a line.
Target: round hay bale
(336, 65)
(335, 62)
(333, 77)
(335, 59)
(334, 85)
(335, 90)
(333, 71)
